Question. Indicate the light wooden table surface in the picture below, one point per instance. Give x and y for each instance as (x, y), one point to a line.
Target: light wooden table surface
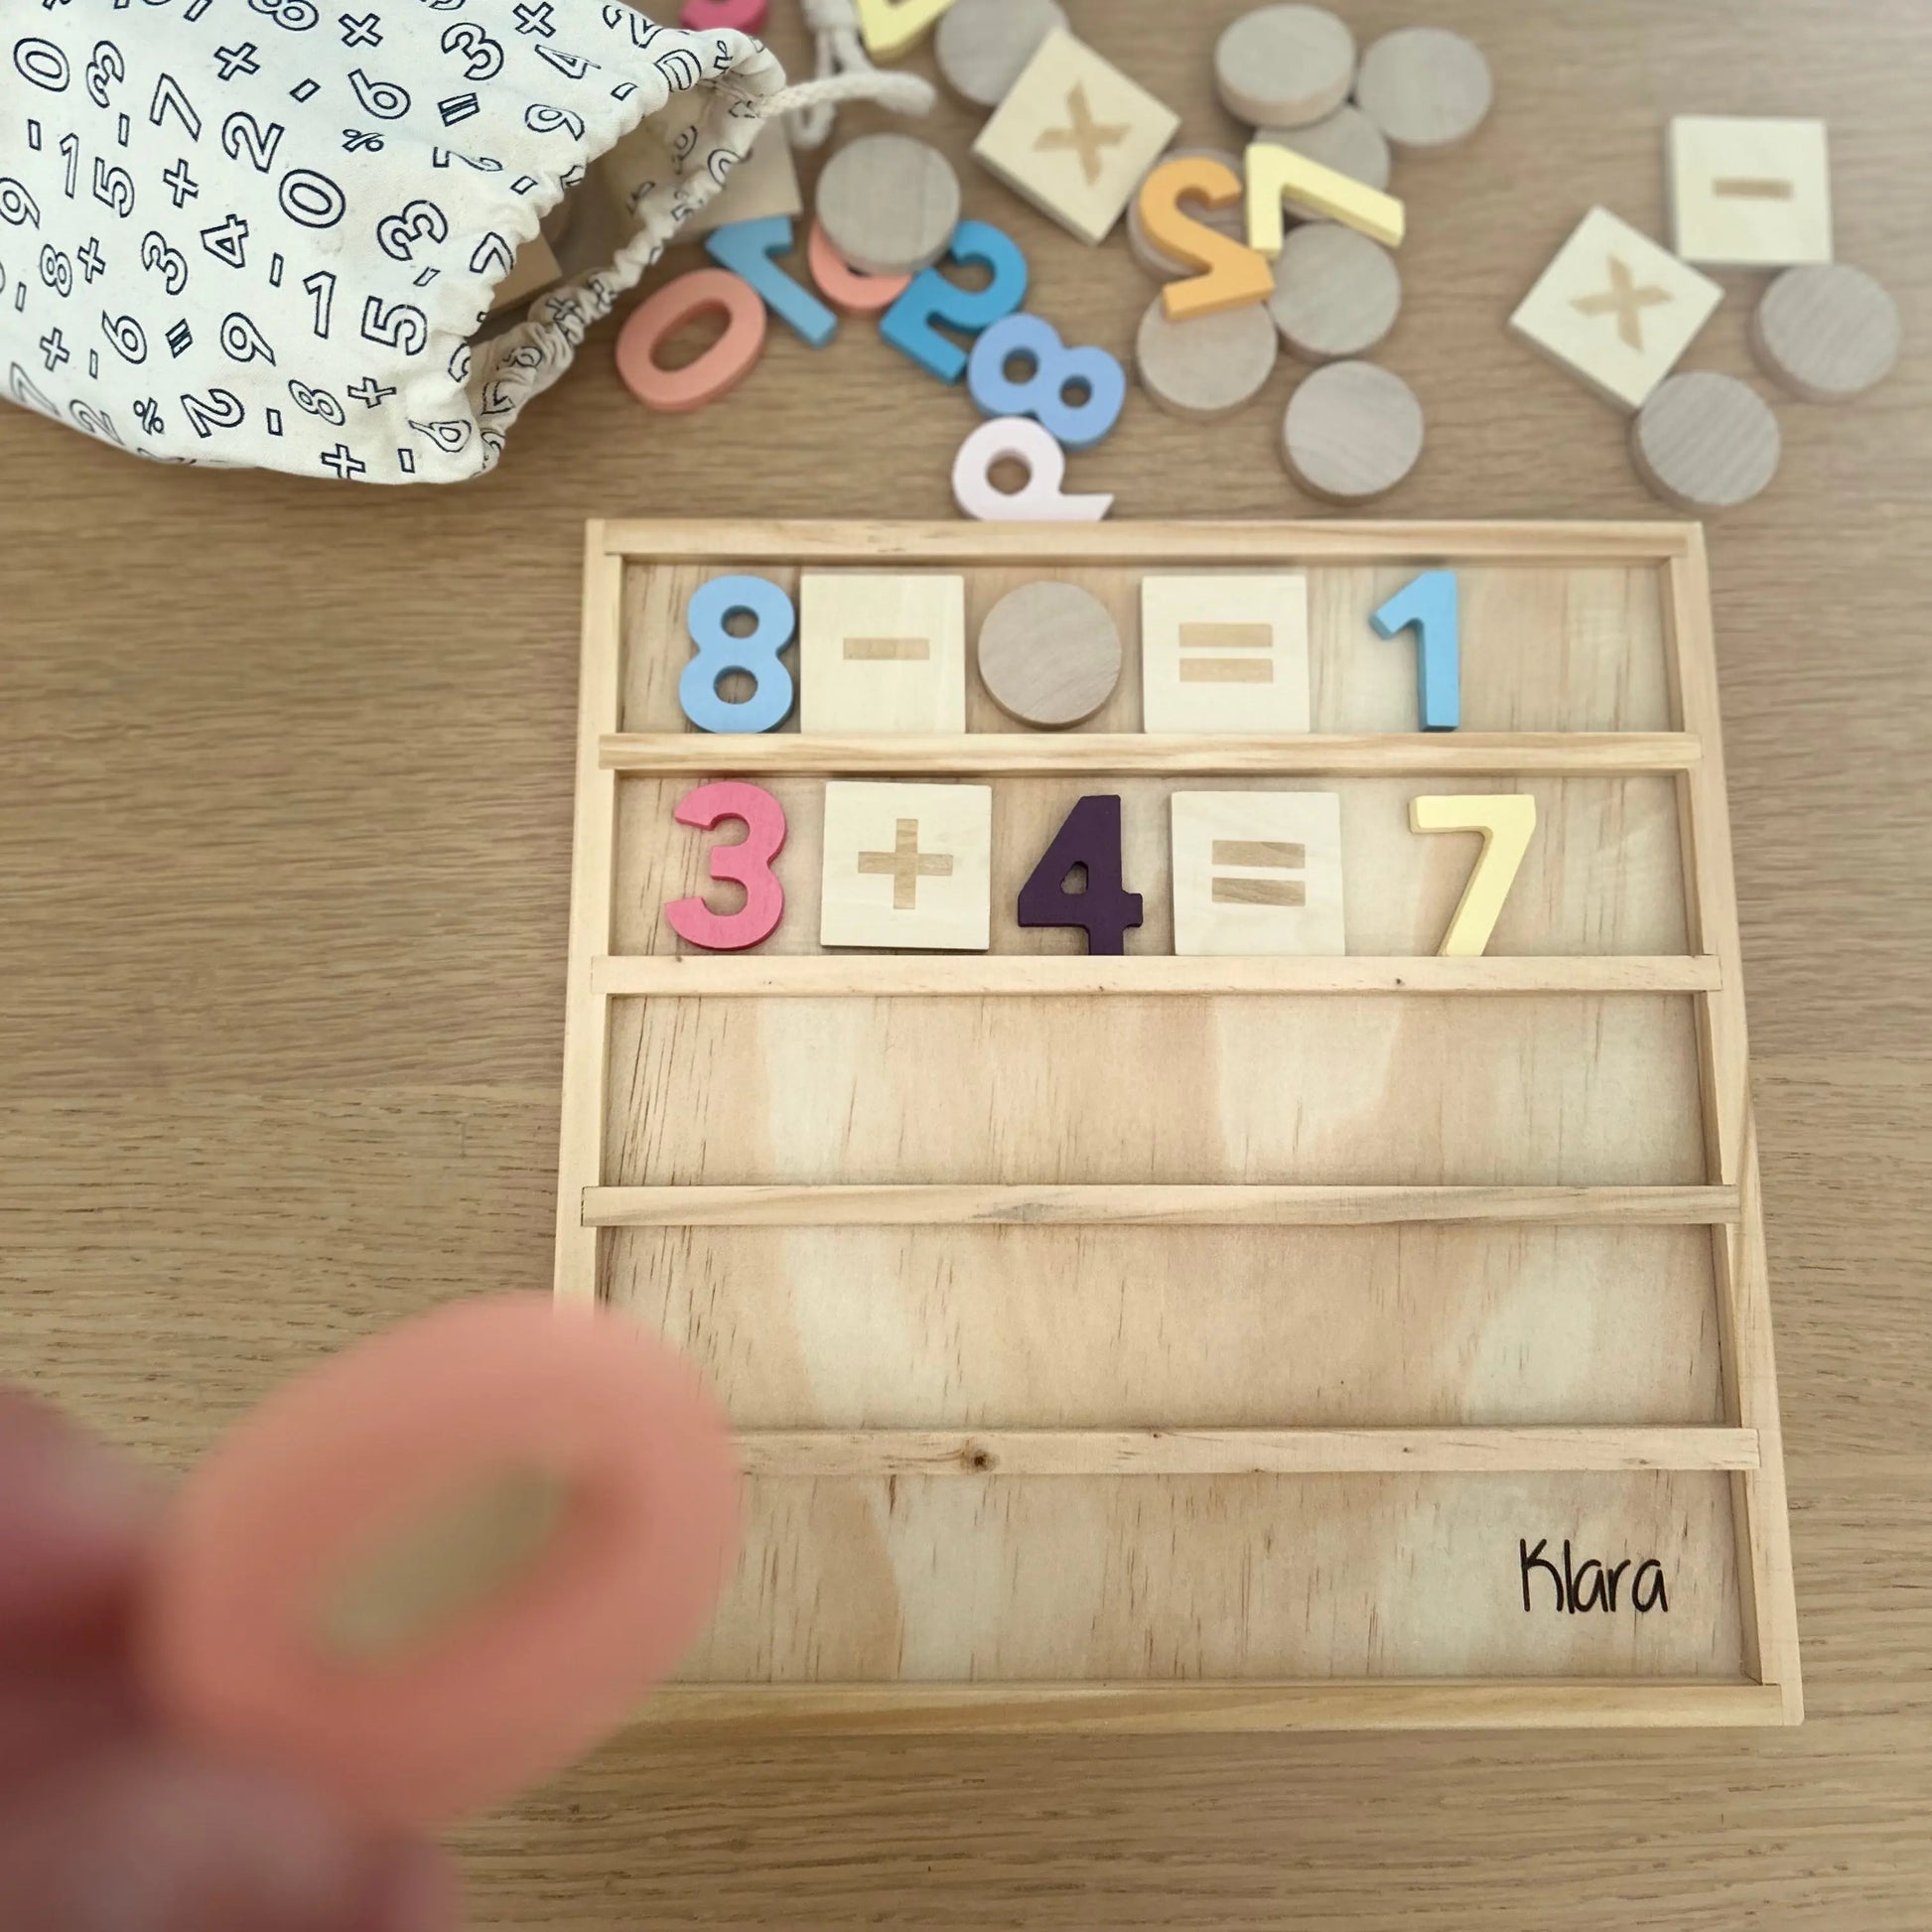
(284, 847)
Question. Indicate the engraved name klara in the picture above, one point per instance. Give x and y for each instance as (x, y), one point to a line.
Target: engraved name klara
(1593, 1587)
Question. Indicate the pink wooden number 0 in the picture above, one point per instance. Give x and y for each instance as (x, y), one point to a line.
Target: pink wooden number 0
(747, 862)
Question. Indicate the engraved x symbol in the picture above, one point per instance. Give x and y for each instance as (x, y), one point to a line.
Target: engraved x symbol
(1624, 299)
(1085, 136)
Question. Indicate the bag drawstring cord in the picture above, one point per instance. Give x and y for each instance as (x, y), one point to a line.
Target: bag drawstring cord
(845, 72)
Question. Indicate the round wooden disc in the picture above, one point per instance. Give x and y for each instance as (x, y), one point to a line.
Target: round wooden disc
(1284, 66)
(983, 45)
(1050, 654)
(1231, 221)
(888, 204)
(1346, 141)
(1425, 88)
(1352, 431)
(1706, 442)
(1827, 333)
(1336, 292)
(1210, 366)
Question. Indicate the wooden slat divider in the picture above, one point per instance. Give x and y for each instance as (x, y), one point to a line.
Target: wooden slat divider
(1145, 1205)
(859, 1452)
(1124, 753)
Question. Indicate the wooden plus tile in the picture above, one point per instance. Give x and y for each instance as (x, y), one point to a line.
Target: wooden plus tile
(878, 652)
(1257, 873)
(1075, 136)
(1616, 310)
(1750, 194)
(907, 866)
(1225, 654)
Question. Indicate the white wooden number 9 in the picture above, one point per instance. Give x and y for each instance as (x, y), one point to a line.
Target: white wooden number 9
(1040, 499)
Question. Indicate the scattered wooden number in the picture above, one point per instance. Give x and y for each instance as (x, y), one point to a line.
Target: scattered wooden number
(747, 248)
(1750, 194)
(1208, 367)
(1425, 88)
(1257, 873)
(908, 864)
(1352, 431)
(1347, 141)
(929, 299)
(719, 369)
(881, 652)
(1278, 174)
(845, 287)
(773, 619)
(1050, 654)
(1616, 310)
(740, 16)
(747, 862)
(1706, 442)
(888, 204)
(1826, 334)
(1285, 65)
(1233, 276)
(1229, 221)
(1075, 136)
(1224, 655)
(1506, 820)
(983, 45)
(1430, 606)
(895, 27)
(1052, 369)
(1039, 500)
(1088, 842)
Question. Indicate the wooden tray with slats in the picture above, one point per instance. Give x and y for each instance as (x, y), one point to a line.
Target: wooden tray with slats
(1189, 1343)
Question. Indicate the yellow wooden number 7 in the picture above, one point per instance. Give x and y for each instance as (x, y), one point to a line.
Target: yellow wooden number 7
(1505, 820)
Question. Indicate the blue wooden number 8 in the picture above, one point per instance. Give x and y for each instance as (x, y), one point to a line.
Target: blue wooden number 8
(1052, 369)
(774, 620)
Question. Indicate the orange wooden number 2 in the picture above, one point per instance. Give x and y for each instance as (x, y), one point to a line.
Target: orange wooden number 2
(1235, 275)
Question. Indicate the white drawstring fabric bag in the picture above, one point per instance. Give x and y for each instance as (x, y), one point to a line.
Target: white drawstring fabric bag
(265, 231)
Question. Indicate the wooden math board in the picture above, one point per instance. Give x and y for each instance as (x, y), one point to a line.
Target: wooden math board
(1280, 1321)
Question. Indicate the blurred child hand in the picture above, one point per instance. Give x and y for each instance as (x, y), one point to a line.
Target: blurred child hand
(108, 1823)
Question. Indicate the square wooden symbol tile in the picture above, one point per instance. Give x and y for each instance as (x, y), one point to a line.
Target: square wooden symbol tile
(1257, 873)
(1225, 654)
(1075, 136)
(1750, 194)
(878, 652)
(1616, 310)
(907, 866)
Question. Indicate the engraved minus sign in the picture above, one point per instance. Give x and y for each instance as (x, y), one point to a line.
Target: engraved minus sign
(887, 651)
(1751, 188)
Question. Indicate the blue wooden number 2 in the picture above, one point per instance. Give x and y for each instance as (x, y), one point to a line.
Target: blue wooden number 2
(1431, 605)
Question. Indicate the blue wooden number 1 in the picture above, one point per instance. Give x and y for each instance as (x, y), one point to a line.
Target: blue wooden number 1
(1431, 605)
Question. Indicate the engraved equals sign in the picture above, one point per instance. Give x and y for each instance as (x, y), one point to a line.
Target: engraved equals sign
(1267, 855)
(1227, 653)
(1751, 187)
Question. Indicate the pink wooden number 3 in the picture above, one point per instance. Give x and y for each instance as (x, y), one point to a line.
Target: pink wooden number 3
(747, 862)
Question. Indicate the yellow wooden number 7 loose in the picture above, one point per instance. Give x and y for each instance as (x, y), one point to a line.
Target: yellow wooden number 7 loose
(1505, 821)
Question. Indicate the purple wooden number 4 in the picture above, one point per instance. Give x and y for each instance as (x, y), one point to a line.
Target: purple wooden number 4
(1089, 842)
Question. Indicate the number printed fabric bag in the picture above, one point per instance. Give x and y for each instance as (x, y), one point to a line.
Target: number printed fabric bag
(265, 231)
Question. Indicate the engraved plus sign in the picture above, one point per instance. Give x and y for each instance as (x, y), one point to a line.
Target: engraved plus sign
(91, 260)
(180, 183)
(908, 864)
(54, 349)
(535, 18)
(237, 60)
(1083, 134)
(369, 392)
(1624, 299)
(360, 30)
(343, 462)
